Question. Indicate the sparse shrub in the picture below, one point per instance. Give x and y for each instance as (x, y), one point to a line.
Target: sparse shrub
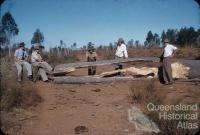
(54, 59)
(149, 92)
(14, 94)
(169, 127)
(145, 92)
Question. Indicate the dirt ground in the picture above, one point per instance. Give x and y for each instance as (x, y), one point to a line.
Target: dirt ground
(101, 108)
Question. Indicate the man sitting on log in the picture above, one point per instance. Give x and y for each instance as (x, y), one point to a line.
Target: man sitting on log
(167, 55)
(91, 56)
(121, 52)
(21, 60)
(41, 67)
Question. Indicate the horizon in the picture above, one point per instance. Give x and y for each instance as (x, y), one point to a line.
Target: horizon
(99, 22)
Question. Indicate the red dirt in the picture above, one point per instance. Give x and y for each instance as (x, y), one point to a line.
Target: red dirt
(102, 108)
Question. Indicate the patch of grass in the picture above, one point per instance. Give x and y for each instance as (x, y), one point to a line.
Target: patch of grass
(54, 59)
(146, 92)
(14, 95)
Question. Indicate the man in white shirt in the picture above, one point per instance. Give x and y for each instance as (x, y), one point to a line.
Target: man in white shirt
(21, 60)
(41, 66)
(121, 52)
(168, 53)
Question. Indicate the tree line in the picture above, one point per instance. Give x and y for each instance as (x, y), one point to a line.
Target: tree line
(184, 37)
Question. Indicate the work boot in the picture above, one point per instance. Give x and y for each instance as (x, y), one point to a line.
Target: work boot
(30, 77)
(19, 79)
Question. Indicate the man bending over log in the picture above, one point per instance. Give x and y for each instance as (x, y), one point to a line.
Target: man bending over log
(121, 52)
(41, 66)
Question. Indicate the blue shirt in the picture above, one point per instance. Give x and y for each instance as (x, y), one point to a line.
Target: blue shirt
(20, 54)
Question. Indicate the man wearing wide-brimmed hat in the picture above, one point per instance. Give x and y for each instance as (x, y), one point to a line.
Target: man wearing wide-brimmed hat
(43, 68)
(21, 60)
(91, 56)
(167, 56)
(121, 52)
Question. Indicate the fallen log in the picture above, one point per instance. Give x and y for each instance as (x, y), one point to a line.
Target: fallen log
(105, 62)
(92, 79)
(189, 80)
(63, 72)
(144, 71)
(194, 66)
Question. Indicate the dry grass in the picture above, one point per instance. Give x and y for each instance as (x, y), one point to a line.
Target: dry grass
(147, 91)
(53, 59)
(186, 53)
(14, 95)
(151, 91)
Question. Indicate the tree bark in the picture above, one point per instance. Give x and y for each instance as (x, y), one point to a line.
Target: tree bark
(105, 62)
(194, 65)
(63, 72)
(92, 79)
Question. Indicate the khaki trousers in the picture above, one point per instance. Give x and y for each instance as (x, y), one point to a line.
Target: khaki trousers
(118, 65)
(167, 70)
(43, 68)
(19, 68)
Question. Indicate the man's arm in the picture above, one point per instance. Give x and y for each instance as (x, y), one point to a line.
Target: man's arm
(26, 56)
(174, 50)
(125, 52)
(15, 56)
(35, 57)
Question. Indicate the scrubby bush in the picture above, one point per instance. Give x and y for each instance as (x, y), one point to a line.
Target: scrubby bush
(14, 94)
(150, 92)
(146, 91)
(54, 59)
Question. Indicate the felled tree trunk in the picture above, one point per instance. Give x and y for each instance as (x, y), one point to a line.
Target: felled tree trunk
(105, 62)
(194, 66)
(91, 79)
(63, 72)
(194, 71)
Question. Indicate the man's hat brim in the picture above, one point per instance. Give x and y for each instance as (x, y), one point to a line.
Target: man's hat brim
(166, 41)
(22, 44)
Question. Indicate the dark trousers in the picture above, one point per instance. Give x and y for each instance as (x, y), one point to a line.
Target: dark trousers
(92, 70)
(118, 65)
(167, 70)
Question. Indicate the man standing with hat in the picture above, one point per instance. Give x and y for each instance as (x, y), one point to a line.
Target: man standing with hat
(42, 66)
(91, 56)
(167, 55)
(21, 60)
(121, 52)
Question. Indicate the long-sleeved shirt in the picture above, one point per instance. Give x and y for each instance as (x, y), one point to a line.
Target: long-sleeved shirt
(35, 57)
(20, 54)
(168, 50)
(121, 51)
(91, 56)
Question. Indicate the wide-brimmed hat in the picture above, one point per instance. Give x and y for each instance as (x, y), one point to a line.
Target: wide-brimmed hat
(90, 46)
(22, 44)
(166, 40)
(37, 46)
(120, 40)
